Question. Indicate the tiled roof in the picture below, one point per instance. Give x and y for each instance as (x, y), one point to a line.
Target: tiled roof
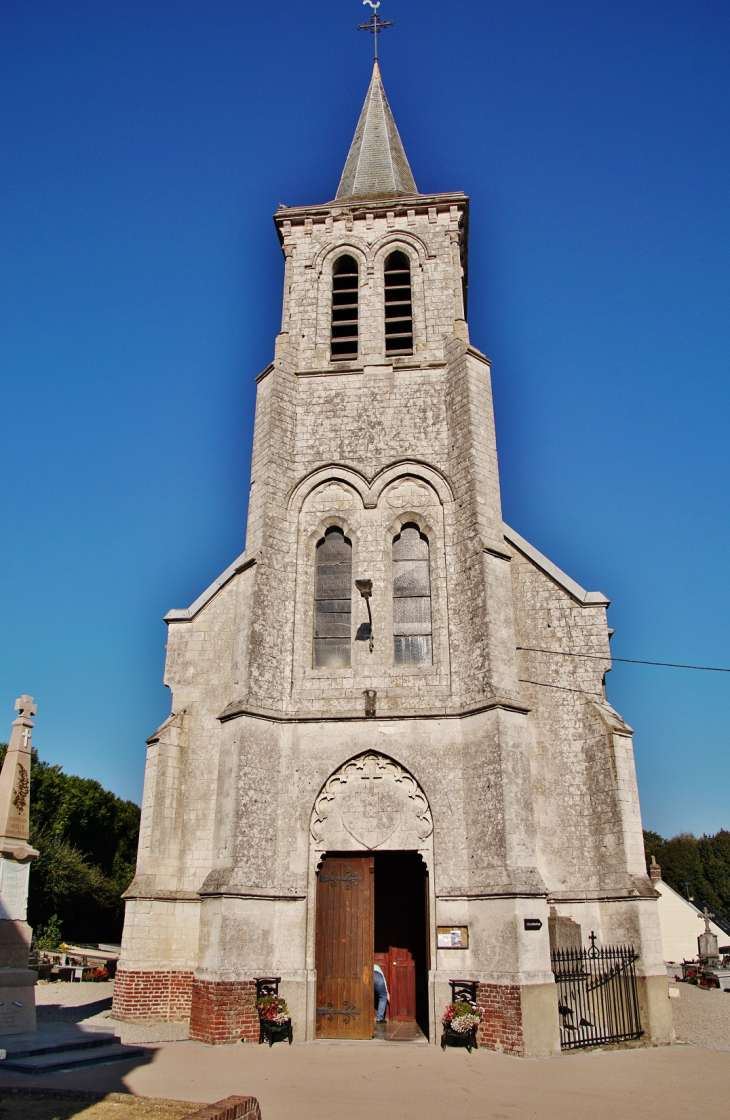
(377, 166)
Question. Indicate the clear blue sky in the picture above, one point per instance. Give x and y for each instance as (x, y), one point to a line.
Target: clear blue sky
(145, 145)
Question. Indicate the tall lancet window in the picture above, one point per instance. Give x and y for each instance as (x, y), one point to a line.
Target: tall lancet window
(333, 601)
(398, 307)
(344, 308)
(411, 598)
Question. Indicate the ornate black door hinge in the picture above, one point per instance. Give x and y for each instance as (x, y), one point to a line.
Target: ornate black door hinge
(348, 1012)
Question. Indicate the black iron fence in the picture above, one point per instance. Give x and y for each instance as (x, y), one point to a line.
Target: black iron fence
(597, 997)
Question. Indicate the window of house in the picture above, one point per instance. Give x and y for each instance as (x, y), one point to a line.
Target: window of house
(398, 306)
(411, 598)
(344, 309)
(333, 601)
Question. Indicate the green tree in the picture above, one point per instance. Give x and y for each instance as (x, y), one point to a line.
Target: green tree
(695, 868)
(87, 840)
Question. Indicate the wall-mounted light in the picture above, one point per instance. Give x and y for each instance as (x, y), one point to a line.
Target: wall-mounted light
(365, 587)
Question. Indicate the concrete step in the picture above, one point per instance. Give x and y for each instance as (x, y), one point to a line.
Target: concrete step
(71, 1058)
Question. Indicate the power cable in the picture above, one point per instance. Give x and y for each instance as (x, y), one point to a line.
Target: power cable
(625, 660)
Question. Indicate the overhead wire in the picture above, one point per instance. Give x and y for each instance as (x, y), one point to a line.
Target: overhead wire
(624, 660)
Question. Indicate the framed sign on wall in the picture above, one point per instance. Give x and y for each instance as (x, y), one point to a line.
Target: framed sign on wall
(452, 937)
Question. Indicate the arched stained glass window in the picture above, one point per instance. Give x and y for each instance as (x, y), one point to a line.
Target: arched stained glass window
(344, 309)
(333, 601)
(398, 306)
(411, 598)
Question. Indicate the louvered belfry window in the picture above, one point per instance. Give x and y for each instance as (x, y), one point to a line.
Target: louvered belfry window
(411, 598)
(333, 601)
(398, 307)
(344, 309)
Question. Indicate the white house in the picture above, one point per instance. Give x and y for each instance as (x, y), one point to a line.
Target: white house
(681, 924)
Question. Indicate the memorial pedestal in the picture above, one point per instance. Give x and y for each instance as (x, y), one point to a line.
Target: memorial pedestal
(17, 981)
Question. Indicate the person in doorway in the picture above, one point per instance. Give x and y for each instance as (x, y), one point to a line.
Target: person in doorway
(381, 994)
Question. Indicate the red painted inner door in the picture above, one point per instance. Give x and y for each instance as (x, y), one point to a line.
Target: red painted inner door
(399, 969)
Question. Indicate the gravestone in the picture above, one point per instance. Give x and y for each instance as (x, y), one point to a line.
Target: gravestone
(17, 996)
(707, 942)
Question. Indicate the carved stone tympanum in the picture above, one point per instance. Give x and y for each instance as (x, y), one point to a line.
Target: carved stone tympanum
(371, 802)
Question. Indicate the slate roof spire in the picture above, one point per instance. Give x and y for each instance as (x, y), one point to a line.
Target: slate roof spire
(377, 166)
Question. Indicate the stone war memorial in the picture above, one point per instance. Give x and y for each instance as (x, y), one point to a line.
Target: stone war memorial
(378, 751)
(17, 981)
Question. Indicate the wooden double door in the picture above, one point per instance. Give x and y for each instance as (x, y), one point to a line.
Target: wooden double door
(369, 909)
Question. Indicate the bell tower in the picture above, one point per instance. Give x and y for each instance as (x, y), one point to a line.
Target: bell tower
(372, 701)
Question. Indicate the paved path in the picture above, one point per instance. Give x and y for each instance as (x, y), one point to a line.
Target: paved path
(398, 1081)
(372, 1081)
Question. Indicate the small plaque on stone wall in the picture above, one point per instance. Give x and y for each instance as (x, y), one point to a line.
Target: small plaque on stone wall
(13, 890)
(452, 937)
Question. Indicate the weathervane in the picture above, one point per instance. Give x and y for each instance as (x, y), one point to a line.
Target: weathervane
(375, 24)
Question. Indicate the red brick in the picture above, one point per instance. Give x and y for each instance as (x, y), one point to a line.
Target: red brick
(163, 995)
(501, 1025)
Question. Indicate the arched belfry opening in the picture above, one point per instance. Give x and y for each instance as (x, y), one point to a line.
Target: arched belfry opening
(345, 283)
(371, 831)
(398, 305)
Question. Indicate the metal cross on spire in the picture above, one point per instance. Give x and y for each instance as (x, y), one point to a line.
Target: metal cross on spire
(375, 24)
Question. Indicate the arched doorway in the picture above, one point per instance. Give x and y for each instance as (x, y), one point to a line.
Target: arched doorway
(371, 835)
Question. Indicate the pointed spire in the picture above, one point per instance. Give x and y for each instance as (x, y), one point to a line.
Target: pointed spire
(377, 166)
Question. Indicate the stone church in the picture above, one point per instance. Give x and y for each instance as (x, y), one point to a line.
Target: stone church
(389, 738)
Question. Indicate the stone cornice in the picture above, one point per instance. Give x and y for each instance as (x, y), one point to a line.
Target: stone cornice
(238, 708)
(359, 207)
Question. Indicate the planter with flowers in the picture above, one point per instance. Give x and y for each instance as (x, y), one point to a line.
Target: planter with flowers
(462, 1016)
(274, 1018)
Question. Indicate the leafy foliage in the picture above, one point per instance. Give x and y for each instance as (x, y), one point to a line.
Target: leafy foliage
(87, 839)
(47, 938)
(699, 868)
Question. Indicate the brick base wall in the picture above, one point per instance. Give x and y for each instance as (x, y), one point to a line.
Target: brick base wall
(163, 995)
(232, 1108)
(501, 1025)
(224, 1011)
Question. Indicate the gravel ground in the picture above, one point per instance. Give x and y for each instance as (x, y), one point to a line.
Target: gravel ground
(49, 1104)
(702, 1017)
(90, 1004)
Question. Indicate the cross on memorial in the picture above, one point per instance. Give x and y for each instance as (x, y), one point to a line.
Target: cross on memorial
(25, 707)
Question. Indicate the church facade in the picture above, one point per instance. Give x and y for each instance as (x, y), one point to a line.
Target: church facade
(378, 749)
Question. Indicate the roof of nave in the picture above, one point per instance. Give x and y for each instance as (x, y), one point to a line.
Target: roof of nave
(377, 165)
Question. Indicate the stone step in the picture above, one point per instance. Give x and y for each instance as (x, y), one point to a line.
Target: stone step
(66, 1058)
(39, 1045)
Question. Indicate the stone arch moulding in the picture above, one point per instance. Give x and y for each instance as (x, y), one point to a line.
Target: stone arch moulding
(353, 245)
(389, 241)
(371, 802)
(369, 491)
(333, 475)
(418, 472)
(332, 521)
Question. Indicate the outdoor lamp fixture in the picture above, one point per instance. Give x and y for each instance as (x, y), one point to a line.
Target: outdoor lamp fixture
(365, 587)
